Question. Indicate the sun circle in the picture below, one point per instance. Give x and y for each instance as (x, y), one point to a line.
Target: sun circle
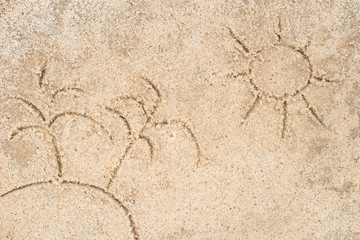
(280, 71)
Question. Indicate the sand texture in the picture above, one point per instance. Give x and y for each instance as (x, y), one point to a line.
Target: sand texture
(180, 119)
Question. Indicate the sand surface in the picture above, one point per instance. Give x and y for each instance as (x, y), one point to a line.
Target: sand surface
(180, 119)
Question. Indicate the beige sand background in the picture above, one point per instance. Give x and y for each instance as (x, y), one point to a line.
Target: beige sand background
(180, 119)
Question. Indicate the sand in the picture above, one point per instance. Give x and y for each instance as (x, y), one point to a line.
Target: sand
(179, 119)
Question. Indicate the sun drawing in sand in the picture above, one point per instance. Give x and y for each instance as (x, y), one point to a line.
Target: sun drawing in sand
(75, 196)
(280, 72)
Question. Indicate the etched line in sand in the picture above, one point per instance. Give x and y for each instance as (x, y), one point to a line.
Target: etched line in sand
(308, 44)
(323, 79)
(76, 114)
(58, 157)
(126, 210)
(142, 106)
(64, 90)
(158, 94)
(53, 141)
(150, 143)
(150, 124)
(148, 113)
(116, 169)
(42, 75)
(122, 206)
(285, 118)
(20, 129)
(271, 74)
(278, 33)
(185, 126)
(243, 46)
(31, 105)
(140, 102)
(126, 122)
(23, 187)
(312, 111)
(307, 58)
(251, 109)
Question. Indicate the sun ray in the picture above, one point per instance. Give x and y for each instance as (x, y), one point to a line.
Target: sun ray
(243, 46)
(279, 30)
(251, 109)
(42, 74)
(323, 79)
(254, 85)
(239, 74)
(307, 45)
(312, 110)
(284, 120)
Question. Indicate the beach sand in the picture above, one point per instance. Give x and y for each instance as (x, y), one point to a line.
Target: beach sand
(179, 119)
